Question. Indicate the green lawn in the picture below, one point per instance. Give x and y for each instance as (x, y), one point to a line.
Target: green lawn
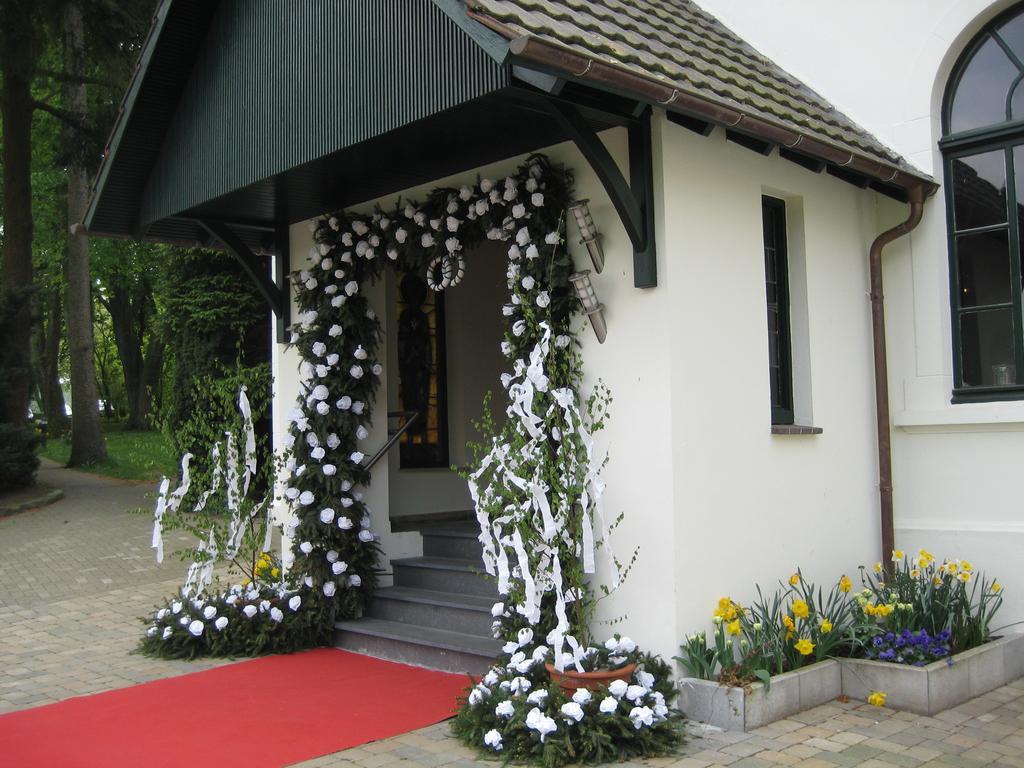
(131, 454)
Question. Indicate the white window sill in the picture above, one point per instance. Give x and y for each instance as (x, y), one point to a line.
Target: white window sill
(985, 417)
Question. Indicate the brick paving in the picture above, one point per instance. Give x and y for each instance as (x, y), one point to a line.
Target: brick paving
(75, 576)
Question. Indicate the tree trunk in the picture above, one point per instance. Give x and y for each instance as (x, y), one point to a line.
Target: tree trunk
(16, 63)
(152, 368)
(48, 333)
(126, 321)
(87, 444)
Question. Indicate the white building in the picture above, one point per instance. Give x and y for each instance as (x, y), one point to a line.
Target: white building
(733, 466)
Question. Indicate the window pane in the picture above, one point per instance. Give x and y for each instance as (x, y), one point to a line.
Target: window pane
(986, 342)
(1018, 175)
(1012, 33)
(980, 97)
(984, 264)
(979, 190)
(1017, 101)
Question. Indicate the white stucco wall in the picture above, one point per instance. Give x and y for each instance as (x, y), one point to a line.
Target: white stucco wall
(714, 502)
(886, 65)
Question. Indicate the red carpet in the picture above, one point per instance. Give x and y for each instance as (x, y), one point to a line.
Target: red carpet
(264, 713)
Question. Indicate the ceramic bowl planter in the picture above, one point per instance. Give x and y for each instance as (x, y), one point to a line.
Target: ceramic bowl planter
(570, 681)
(942, 684)
(743, 709)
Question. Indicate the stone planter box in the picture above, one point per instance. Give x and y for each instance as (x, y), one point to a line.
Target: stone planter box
(743, 709)
(940, 685)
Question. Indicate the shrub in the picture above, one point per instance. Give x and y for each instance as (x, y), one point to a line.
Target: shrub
(18, 460)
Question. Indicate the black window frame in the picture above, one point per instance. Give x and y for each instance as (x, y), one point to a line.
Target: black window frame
(774, 229)
(1003, 136)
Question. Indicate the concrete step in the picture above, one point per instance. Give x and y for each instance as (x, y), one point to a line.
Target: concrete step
(421, 646)
(468, 614)
(459, 542)
(443, 574)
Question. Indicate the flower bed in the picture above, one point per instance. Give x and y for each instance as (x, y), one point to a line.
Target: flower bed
(742, 708)
(931, 688)
(909, 639)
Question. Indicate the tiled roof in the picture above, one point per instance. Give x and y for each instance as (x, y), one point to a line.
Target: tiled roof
(688, 49)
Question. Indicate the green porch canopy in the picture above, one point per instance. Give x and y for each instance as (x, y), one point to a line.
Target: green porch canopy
(245, 116)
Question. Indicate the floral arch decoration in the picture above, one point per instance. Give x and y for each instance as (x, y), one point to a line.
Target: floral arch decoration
(537, 488)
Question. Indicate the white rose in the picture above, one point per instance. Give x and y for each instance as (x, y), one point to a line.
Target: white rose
(330, 588)
(276, 614)
(306, 498)
(294, 602)
(344, 403)
(306, 547)
(525, 636)
(646, 679)
(401, 235)
(161, 613)
(209, 612)
(361, 432)
(337, 301)
(523, 236)
(543, 299)
(538, 697)
(609, 704)
(351, 288)
(532, 252)
(365, 536)
(537, 199)
(220, 623)
(357, 457)
(572, 712)
(452, 224)
(357, 407)
(635, 692)
(326, 516)
(356, 372)
(505, 709)
(323, 408)
(345, 523)
(618, 688)
(196, 627)
(335, 330)
(167, 632)
(427, 240)
(492, 739)
(528, 283)
(518, 211)
(339, 567)
(582, 696)
(641, 716)
(319, 348)
(497, 609)
(355, 580)
(519, 327)
(329, 469)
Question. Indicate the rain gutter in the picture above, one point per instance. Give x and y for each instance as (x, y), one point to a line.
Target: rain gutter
(553, 56)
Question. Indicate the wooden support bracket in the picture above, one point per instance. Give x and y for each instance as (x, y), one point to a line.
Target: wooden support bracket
(634, 201)
(274, 292)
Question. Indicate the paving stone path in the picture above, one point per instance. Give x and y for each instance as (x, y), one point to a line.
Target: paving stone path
(75, 576)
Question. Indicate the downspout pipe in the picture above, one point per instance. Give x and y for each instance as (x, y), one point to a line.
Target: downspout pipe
(916, 196)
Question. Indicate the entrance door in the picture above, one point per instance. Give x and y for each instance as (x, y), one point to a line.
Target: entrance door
(446, 351)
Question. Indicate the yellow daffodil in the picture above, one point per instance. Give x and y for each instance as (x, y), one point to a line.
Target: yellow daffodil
(965, 566)
(794, 579)
(727, 609)
(805, 646)
(925, 558)
(877, 699)
(733, 627)
(788, 623)
(897, 555)
(826, 626)
(997, 587)
(800, 609)
(883, 610)
(878, 567)
(937, 581)
(964, 576)
(915, 574)
(845, 585)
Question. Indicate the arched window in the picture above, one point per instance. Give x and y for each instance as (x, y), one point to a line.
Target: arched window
(983, 150)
